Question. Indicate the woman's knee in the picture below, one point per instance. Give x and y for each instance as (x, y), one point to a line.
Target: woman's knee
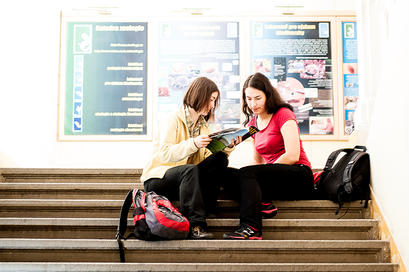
(246, 171)
(190, 173)
(221, 159)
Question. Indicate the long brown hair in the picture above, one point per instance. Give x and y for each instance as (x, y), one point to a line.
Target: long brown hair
(273, 99)
(198, 95)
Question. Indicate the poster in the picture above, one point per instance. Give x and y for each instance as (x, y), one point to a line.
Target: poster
(350, 74)
(104, 86)
(296, 57)
(188, 50)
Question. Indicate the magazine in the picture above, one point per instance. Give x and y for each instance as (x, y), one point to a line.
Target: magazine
(223, 138)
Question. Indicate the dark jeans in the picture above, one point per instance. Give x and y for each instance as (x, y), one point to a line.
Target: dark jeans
(214, 174)
(195, 186)
(271, 182)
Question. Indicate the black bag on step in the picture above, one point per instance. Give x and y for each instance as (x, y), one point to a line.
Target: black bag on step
(348, 179)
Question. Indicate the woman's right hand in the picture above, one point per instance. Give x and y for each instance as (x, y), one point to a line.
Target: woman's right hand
(236, 141)
(202, 141)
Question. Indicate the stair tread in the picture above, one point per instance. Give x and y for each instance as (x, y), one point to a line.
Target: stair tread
(211, 222)
(273, 229)
(203, 245)
(210, 267)
(223, 203)
(97, 208)
(30, 186)
(32, 172)
(196, 251)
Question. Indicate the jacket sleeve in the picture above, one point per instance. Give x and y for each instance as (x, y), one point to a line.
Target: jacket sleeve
(170, 149)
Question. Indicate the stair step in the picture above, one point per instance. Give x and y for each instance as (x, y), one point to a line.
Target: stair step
(34, 175)
(65, 220)
(111, 208)
(61, 190)
(202, 267)
(191, 251)
(273, 229)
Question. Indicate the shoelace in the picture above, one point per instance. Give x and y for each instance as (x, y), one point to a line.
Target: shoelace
(197, 230)
(245, 228)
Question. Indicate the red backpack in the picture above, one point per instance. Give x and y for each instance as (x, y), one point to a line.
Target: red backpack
(154, 217)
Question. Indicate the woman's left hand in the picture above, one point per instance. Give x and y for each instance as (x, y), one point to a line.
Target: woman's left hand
(202, 141)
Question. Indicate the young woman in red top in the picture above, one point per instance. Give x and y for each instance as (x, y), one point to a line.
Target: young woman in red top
(281, 168)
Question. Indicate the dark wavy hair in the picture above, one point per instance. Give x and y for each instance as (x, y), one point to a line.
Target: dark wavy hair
(273, 99)
(198, 95)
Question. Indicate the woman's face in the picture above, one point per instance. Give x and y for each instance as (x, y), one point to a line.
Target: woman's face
(210, 106)
(256, 100)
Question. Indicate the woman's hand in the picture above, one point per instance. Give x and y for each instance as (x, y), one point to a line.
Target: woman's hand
(202, 141)
(236, 141)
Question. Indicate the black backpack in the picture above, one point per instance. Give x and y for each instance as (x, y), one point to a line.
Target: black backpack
(348, 179)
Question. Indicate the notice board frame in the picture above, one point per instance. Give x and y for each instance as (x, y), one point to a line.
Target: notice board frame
(132, 131)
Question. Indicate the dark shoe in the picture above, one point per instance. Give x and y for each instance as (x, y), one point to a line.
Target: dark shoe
(244, 232)
(268, 210)
(198, 232)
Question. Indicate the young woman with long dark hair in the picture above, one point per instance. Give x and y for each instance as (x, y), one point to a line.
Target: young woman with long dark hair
(281, 169)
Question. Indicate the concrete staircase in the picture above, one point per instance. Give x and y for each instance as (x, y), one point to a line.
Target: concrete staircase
(66, 219)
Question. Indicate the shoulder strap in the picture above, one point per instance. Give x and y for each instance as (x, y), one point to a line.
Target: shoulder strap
(123, 219)
(348, 171)
(347, 177)
(123, 224)
(362, 147)
(333, 156)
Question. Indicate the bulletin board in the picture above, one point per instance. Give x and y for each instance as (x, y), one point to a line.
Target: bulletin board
(190, 49)
(350, 73)
(103, 79)
(297, 57)
(107, 92)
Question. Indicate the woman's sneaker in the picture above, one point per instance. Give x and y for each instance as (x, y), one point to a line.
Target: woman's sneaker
(244, 232)
(197, 232)
(268, 210)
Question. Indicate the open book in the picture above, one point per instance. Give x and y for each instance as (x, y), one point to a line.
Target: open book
(225, 137)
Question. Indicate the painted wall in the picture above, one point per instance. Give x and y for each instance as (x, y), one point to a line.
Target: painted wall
(29, 59)
(383, 120)
(29, 51)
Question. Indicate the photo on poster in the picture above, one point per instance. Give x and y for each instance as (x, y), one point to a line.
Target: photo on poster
(313, 69)
(349, 121)
(321, 125)
(324, 30)
(262, 66)
(350, 68)
(349, 30)
(350, 102)
(280, 68)
(292, 91)
(82, 39)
